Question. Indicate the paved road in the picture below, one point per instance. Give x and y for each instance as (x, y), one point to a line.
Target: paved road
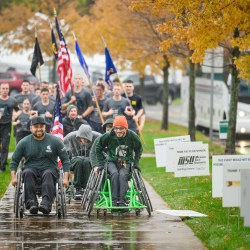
(77, 231)
(155, 112)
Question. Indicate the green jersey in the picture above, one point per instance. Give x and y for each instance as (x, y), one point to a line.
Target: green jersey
(40, 154)
(128, 148)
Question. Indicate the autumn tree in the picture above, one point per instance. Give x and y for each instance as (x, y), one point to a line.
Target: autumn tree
(204, 25)
(19, 31)
(130, 36)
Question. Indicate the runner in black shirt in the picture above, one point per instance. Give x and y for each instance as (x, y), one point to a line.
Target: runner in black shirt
(135, 101)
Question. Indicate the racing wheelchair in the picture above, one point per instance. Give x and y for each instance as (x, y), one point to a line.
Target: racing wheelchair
(19, 198)
(98, 194)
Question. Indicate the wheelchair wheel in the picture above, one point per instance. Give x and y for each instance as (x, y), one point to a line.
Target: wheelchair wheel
(95, 193)
(89, 188)
(62, 197)
(144, 189)
(142, 193)
(70, 192)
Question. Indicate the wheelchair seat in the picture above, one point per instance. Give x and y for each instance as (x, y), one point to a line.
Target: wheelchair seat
(98, 194)
(19, 200)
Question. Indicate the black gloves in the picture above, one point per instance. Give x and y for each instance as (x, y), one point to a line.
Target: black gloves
(137, 167)
(100, 169)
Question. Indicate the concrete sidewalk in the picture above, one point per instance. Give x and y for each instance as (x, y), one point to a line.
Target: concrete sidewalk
(77, 231)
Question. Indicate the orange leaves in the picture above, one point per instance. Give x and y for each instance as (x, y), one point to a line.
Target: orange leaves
(202, 25)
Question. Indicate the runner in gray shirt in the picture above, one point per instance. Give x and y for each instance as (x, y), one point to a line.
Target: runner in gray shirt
(7, 105)
(81, 98)
(45, 108)
(95, 121)
(117, 105)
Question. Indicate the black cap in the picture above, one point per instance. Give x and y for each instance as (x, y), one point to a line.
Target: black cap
(36, 120)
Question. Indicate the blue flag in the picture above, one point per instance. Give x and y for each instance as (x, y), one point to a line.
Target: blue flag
(81, 59)
(110, 68)
(54, 45)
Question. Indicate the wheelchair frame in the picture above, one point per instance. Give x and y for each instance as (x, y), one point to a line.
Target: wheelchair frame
(101, 197)
(19, 204)
(70, 190)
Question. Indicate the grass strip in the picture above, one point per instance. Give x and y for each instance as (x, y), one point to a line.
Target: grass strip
(194, 193)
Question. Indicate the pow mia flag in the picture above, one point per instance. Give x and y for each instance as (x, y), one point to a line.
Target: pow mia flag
(37, 58)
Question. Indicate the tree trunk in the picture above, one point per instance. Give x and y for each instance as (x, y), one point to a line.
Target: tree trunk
(141, 89)
(235, 86)
(164, 124)
(191, 115)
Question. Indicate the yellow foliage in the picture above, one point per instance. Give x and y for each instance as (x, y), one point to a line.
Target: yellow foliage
(202, 25)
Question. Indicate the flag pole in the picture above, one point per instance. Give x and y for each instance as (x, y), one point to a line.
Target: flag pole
(91, 86)
(38, 64)
(118, 77)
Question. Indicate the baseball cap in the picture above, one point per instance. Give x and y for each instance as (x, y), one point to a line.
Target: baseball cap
(37, 120)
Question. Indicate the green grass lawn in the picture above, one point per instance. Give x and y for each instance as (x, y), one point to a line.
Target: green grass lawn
(5, 177)
(194, 193)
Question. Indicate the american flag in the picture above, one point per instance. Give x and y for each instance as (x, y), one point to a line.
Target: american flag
(56, 124)
(64, 65)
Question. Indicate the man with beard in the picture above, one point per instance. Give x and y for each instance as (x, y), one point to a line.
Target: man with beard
(124, 150)
(41, 152)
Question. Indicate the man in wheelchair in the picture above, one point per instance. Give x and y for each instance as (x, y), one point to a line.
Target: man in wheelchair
(41, 152)
(124, 148)
(78, 144)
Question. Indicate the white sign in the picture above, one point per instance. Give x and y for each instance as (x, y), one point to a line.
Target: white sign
(170, 149)
(217, 170)
(247, 204)
(185, 213)
(160, 148)
(243, 188)
(231, 183)
(191, 160)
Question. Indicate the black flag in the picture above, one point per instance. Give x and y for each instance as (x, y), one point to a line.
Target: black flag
(37, 58)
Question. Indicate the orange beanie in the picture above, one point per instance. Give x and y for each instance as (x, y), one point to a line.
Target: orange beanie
(120, 120)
